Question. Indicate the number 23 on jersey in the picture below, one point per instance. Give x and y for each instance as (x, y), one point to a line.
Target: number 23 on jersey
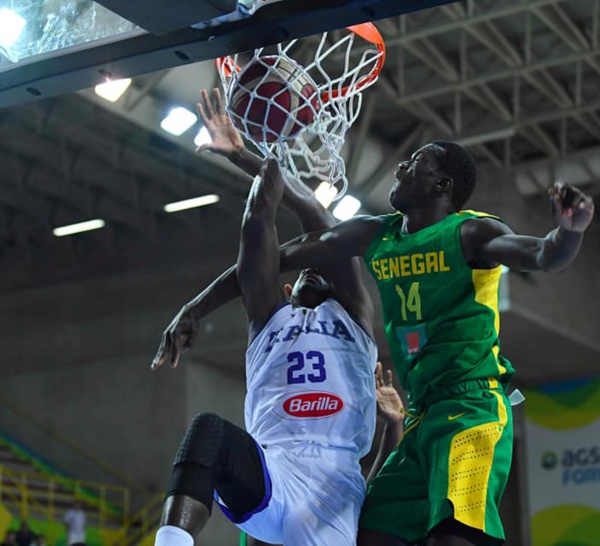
(305, 367)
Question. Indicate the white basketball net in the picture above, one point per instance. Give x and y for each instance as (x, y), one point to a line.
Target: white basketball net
(340, 75)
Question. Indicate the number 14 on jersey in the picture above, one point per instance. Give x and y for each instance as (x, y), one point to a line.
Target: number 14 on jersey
(410, 302)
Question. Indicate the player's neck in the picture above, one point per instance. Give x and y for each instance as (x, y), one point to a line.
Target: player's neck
(422, 217)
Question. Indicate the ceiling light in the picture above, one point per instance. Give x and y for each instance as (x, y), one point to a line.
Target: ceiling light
(192, 203)
(203, 137)
(178, 121)
(71, 229)
(113, 89)
(326, 193)
(346, 208)
(11, 26)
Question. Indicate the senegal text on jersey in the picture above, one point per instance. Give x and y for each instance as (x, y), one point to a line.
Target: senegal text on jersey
(409, 264)
(334, 328)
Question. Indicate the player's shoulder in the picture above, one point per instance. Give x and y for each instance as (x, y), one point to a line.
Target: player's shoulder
(482, 226)
(478, 230)
(476, 214)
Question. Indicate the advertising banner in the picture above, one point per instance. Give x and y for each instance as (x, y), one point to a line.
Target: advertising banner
(563, 463)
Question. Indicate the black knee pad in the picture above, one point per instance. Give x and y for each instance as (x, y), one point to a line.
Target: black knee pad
(202, 441)
(196, 464)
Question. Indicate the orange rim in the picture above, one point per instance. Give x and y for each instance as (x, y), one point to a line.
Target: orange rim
(367, 31)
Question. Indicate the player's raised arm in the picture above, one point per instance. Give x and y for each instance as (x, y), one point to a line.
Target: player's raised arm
(487, 242)
(343, 241)
(325, 247)
(258, 259)
(300, 200)
(182, 330)
(227, 141)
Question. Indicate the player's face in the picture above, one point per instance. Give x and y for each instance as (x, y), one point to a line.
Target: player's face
(311, 289)
(415, 179)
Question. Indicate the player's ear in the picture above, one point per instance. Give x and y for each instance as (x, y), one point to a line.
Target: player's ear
(287, 287)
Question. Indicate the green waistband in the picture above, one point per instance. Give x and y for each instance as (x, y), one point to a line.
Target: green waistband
(455, 389)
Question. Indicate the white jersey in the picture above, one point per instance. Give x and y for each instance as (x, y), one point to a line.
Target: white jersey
(310, 378)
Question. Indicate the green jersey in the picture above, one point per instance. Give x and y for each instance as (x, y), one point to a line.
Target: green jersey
(441, 317)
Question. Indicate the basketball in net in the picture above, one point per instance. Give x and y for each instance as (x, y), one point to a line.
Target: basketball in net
(272, 99)
(297, 101)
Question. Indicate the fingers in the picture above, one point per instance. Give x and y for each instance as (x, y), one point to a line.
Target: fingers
(581, 201)
(571, 204)
(202, 113)
(170, 348)
(159, 358)
(389, 378)
(565, 195)
(554, 193)
(204, 107)
(207, 103)
(219, 101)
(157, 362)
(176, 350)
(378, 375)
(562, 196)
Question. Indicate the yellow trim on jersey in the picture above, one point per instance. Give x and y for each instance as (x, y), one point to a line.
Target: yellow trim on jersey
(470, 465)
(493, 383)
(413, 425)
(479, 214)
(486, 283)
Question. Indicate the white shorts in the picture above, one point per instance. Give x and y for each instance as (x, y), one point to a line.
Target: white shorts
(315, 498)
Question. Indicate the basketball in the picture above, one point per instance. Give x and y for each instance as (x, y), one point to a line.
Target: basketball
(273, 99)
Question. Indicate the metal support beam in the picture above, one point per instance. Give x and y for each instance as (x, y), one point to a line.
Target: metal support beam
(545, 141)
(491, 156)
(484, 16)
(493, 76)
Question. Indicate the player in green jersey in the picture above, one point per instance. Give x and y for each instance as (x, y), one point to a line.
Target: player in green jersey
(437, 270)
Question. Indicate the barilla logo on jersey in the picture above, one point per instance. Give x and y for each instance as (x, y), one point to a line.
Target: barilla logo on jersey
(313, 405)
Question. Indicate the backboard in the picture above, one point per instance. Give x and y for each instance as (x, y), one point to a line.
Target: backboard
(50, 47)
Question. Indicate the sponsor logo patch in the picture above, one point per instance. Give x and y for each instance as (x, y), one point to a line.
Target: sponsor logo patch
(313, 405)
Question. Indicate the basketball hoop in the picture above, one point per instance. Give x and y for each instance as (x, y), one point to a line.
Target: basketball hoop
(341, 71)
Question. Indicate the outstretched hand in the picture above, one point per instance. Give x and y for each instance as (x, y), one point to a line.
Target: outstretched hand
(176, 339)
(225, 138)
(572, 209)
(389, 403)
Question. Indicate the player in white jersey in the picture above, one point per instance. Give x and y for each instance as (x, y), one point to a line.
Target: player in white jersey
(310, 408)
